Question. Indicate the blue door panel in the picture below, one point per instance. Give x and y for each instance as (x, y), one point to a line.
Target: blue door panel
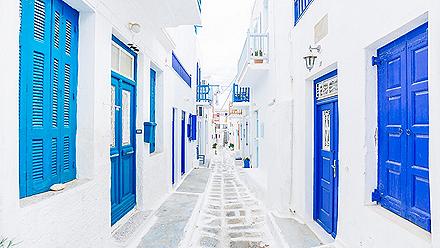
(326, 157)
(403, 125)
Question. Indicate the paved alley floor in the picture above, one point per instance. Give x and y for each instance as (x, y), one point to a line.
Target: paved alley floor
(230, 216)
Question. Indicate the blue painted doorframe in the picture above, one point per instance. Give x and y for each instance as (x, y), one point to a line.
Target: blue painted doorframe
(123, 148)
(403, 128)
(173, 147)
(153, 75)
(183, 144)
(325, 204)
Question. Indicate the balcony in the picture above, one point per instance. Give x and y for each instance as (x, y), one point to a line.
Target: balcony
(254, 59)
(204, 94)
(241, 94)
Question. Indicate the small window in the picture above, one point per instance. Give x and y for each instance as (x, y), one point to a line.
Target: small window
(122, 62)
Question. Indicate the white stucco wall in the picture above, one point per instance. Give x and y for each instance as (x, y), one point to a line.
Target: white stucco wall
(79, 216)
(356, 31)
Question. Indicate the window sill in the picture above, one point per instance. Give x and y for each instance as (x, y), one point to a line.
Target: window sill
(43, 197)
(401, 222)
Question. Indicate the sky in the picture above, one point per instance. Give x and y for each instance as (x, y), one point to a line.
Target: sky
(225, 23)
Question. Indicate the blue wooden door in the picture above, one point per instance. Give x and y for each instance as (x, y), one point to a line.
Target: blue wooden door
(123, 144)
(183, 144)
(326, 153)
(403, 127)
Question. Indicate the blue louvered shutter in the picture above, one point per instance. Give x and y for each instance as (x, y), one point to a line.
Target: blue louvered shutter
(42, 87)
(194, 127)
(65, 50)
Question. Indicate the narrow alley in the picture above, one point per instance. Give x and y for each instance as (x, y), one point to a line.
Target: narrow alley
(220, 124)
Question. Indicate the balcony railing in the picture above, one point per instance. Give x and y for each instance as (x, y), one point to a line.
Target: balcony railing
(255, 50)
(300, 7)
(241, 94)
(204, 93)
(199, 2)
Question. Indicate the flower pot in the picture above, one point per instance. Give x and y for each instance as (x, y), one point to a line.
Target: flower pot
(247, 164)
(258, 61)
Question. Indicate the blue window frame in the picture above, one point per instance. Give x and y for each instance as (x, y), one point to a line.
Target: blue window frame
(181, 71)
(47, 95)
(192, 127)
(300, 7)
(403, 128)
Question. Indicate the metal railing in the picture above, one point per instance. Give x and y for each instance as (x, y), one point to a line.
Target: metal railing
(204, 93)
(241, 94)
(255, 50)
(199, 2)
(300, 7)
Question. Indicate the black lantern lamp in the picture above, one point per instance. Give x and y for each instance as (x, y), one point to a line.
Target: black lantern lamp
(311, 57)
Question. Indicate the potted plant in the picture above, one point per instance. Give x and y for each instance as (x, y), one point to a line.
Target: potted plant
(258, 56)
(231, 146)
(247, 163)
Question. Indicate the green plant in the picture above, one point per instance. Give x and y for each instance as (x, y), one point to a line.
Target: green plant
(231, 146)
(6, 243)
(247, 159)
(258, 53)
(214, 146)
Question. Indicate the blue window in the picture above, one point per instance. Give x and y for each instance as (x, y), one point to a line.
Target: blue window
(300, 7)
(153, 107)
(403, 128)
(47, 94)
(178, 67)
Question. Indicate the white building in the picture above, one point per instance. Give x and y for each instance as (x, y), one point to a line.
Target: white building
(344, 144)
(94, 77)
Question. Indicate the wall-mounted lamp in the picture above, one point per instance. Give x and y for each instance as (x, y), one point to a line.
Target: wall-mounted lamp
(311, 57)
(135, 28)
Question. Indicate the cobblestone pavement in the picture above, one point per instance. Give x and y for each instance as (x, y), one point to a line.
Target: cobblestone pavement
(230, 216)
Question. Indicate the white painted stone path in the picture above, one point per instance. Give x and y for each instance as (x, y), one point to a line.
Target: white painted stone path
(230, 217)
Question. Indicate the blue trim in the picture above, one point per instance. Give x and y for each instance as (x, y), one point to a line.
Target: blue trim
(181, 71)
(183, 144)
(173, 148)
(300, 7)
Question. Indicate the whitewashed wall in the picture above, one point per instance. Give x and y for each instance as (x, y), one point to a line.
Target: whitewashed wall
(80, 215)
(355, 31)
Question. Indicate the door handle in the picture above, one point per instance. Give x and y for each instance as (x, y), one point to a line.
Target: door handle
(400, 131)
(334, 168)
(128, 153)
(408, 132)
(114, 155)
(117, 107)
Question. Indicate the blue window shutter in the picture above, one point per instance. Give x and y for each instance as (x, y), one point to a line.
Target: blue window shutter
(193, 127)
(153, 106)
(47, 88)
(403, 175)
